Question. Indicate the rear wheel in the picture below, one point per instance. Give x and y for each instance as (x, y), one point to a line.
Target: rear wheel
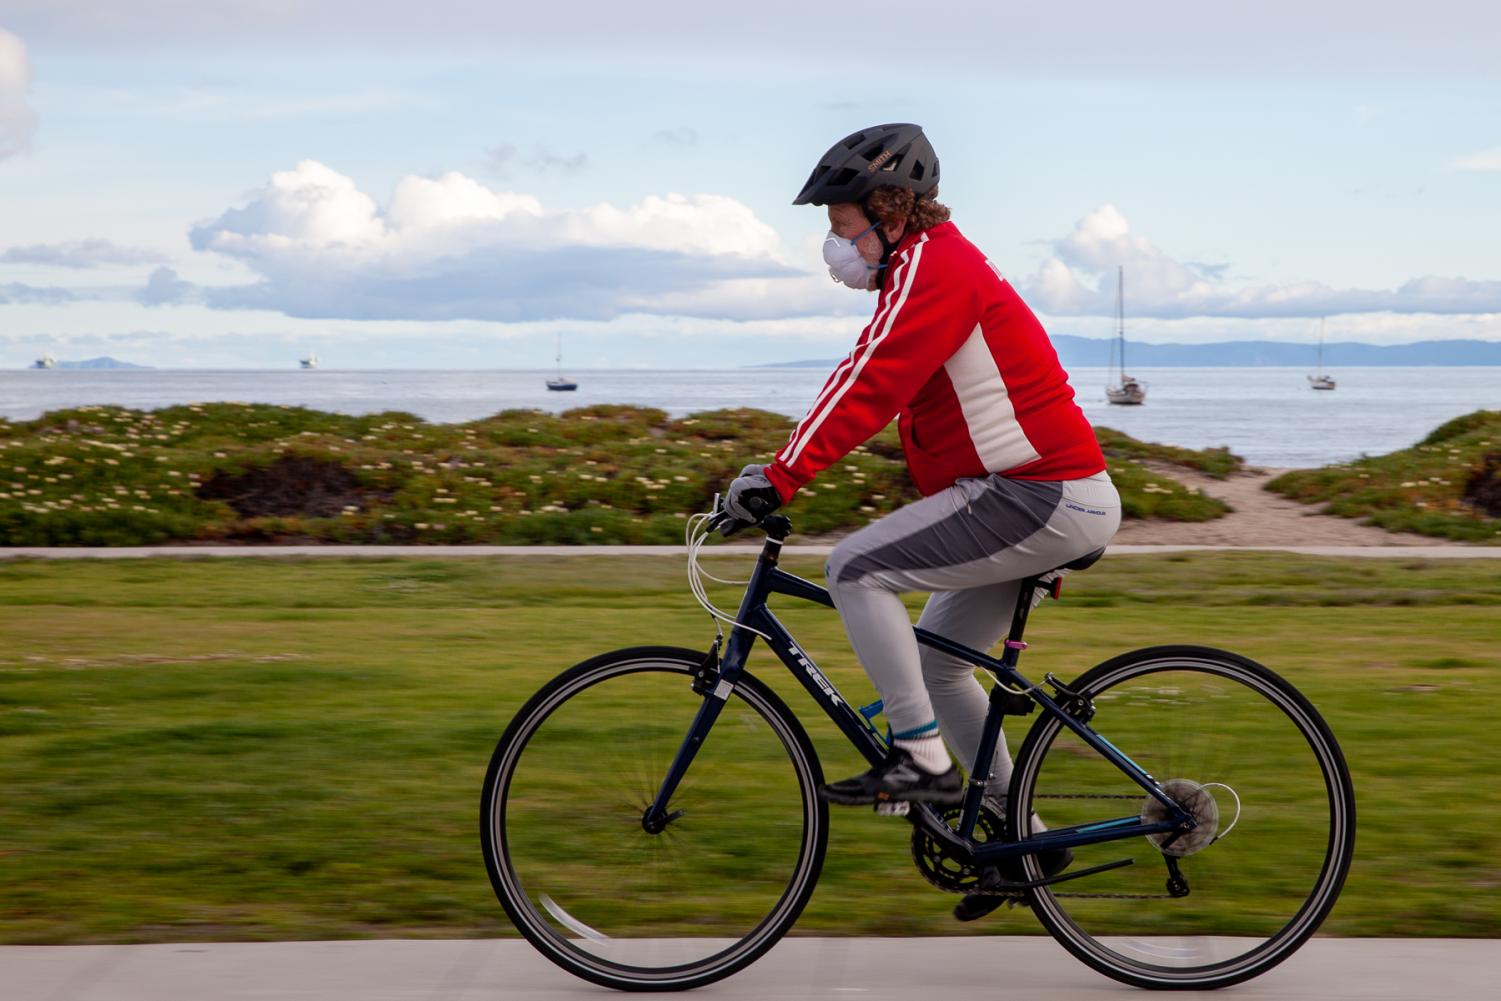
(595, 892)
(1233, 743)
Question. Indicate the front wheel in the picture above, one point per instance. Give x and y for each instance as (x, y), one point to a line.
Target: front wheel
(1232, 743)
(583, 880)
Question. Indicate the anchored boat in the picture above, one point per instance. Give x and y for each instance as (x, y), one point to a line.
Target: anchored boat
(1122, 388)
(561, 383)
(1322, 380)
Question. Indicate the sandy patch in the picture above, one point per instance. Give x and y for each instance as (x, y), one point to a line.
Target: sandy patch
(1260, 518)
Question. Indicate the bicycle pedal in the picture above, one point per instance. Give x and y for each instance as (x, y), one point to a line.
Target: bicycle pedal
(896, 809)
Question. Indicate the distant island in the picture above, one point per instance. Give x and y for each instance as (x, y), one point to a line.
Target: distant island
(1087, 352)
(104, 361)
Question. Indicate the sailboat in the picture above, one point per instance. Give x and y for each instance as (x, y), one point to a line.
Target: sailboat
(561, 384)
(1122, 389)
(311, 361)
(1323, 380)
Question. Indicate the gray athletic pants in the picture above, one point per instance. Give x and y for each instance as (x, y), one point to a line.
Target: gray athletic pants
(971, 544)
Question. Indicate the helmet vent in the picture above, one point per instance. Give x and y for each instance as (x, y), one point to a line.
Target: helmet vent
(896, 155)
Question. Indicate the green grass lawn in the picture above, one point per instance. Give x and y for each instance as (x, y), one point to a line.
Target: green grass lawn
(278, 748)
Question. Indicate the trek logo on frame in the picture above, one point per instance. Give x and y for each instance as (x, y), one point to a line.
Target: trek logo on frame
(817, 676)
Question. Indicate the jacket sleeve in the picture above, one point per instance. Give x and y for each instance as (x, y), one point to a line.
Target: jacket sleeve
(921, 320)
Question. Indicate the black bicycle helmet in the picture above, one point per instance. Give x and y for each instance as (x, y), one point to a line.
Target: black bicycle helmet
(896, 155)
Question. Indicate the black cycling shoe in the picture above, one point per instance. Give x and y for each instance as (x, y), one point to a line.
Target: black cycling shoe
(898, 779)
(976, 905)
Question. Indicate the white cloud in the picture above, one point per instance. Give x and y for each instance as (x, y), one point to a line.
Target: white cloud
(1271, 40)
(1079, 280)
(49, 295)
(452, 248)
(164, 286)
(91, 253)
(17, 121)
(1486, 159)
(499, 160)
(683, 136)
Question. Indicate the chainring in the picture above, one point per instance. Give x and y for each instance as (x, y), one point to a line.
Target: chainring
(945, 870)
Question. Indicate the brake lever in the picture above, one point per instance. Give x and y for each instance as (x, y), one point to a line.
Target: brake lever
(729, 525)
(722, 521)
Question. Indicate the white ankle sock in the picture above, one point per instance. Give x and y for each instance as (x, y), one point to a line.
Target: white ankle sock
(929, 753)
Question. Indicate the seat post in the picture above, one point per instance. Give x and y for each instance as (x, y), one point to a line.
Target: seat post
(1014, 643)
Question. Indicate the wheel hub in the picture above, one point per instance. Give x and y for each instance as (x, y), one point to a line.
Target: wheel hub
(1198, 802)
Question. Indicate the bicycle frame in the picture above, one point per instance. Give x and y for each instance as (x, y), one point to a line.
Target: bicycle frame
(768, 578)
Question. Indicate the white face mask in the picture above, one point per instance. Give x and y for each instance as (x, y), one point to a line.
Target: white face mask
(844, 261)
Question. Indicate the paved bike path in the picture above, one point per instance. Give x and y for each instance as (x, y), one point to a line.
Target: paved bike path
(137, 552)
(955, 969)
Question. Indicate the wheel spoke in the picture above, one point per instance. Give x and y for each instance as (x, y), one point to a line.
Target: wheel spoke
(1226, 739)
(602, 896)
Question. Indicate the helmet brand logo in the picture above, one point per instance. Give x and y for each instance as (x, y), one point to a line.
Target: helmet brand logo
(881, 158)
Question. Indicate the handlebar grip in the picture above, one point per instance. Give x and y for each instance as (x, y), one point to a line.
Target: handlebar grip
(759, 506)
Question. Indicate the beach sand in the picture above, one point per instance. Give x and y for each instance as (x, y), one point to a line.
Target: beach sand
(1259, 518)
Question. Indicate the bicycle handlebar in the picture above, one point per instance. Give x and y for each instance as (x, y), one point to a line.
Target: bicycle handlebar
(727, 524)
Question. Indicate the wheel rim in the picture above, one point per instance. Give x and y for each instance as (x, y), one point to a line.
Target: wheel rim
(597, 892)
(1254, 895)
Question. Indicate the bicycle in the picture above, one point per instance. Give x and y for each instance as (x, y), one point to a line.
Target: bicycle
(640, 846)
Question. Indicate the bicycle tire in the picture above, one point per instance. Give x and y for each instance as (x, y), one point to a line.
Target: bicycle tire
(1306, 812)
(579, 841)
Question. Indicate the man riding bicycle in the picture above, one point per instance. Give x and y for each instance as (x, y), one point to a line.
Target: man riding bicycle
(1013, 481)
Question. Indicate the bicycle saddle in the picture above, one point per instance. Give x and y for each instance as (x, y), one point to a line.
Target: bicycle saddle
(1082, 563)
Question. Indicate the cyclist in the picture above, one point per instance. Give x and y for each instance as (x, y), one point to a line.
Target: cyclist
(1013, 481)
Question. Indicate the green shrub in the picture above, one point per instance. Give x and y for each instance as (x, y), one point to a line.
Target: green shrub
(1432, 488)
(604, 474)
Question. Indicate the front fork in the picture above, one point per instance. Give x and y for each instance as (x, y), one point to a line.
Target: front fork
(715, 680)
(715, 688)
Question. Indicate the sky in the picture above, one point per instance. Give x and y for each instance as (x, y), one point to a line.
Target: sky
(460, 185)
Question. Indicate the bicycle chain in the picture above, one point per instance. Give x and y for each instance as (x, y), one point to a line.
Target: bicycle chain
(1086, 795)
(1020, 896)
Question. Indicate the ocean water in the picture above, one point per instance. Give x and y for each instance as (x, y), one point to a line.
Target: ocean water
(1268, 415)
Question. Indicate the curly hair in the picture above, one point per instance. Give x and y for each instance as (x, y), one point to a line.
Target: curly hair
(891, 205)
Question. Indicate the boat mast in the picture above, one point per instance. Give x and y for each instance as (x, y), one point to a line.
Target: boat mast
(1120, 312)
(1321, 347)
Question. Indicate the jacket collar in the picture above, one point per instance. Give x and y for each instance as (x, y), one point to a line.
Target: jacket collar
(910, 240)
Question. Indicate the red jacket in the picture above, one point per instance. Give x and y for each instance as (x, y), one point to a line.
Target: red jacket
(956, 353)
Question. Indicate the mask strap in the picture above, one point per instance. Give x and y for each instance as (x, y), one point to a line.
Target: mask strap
(887, 247)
